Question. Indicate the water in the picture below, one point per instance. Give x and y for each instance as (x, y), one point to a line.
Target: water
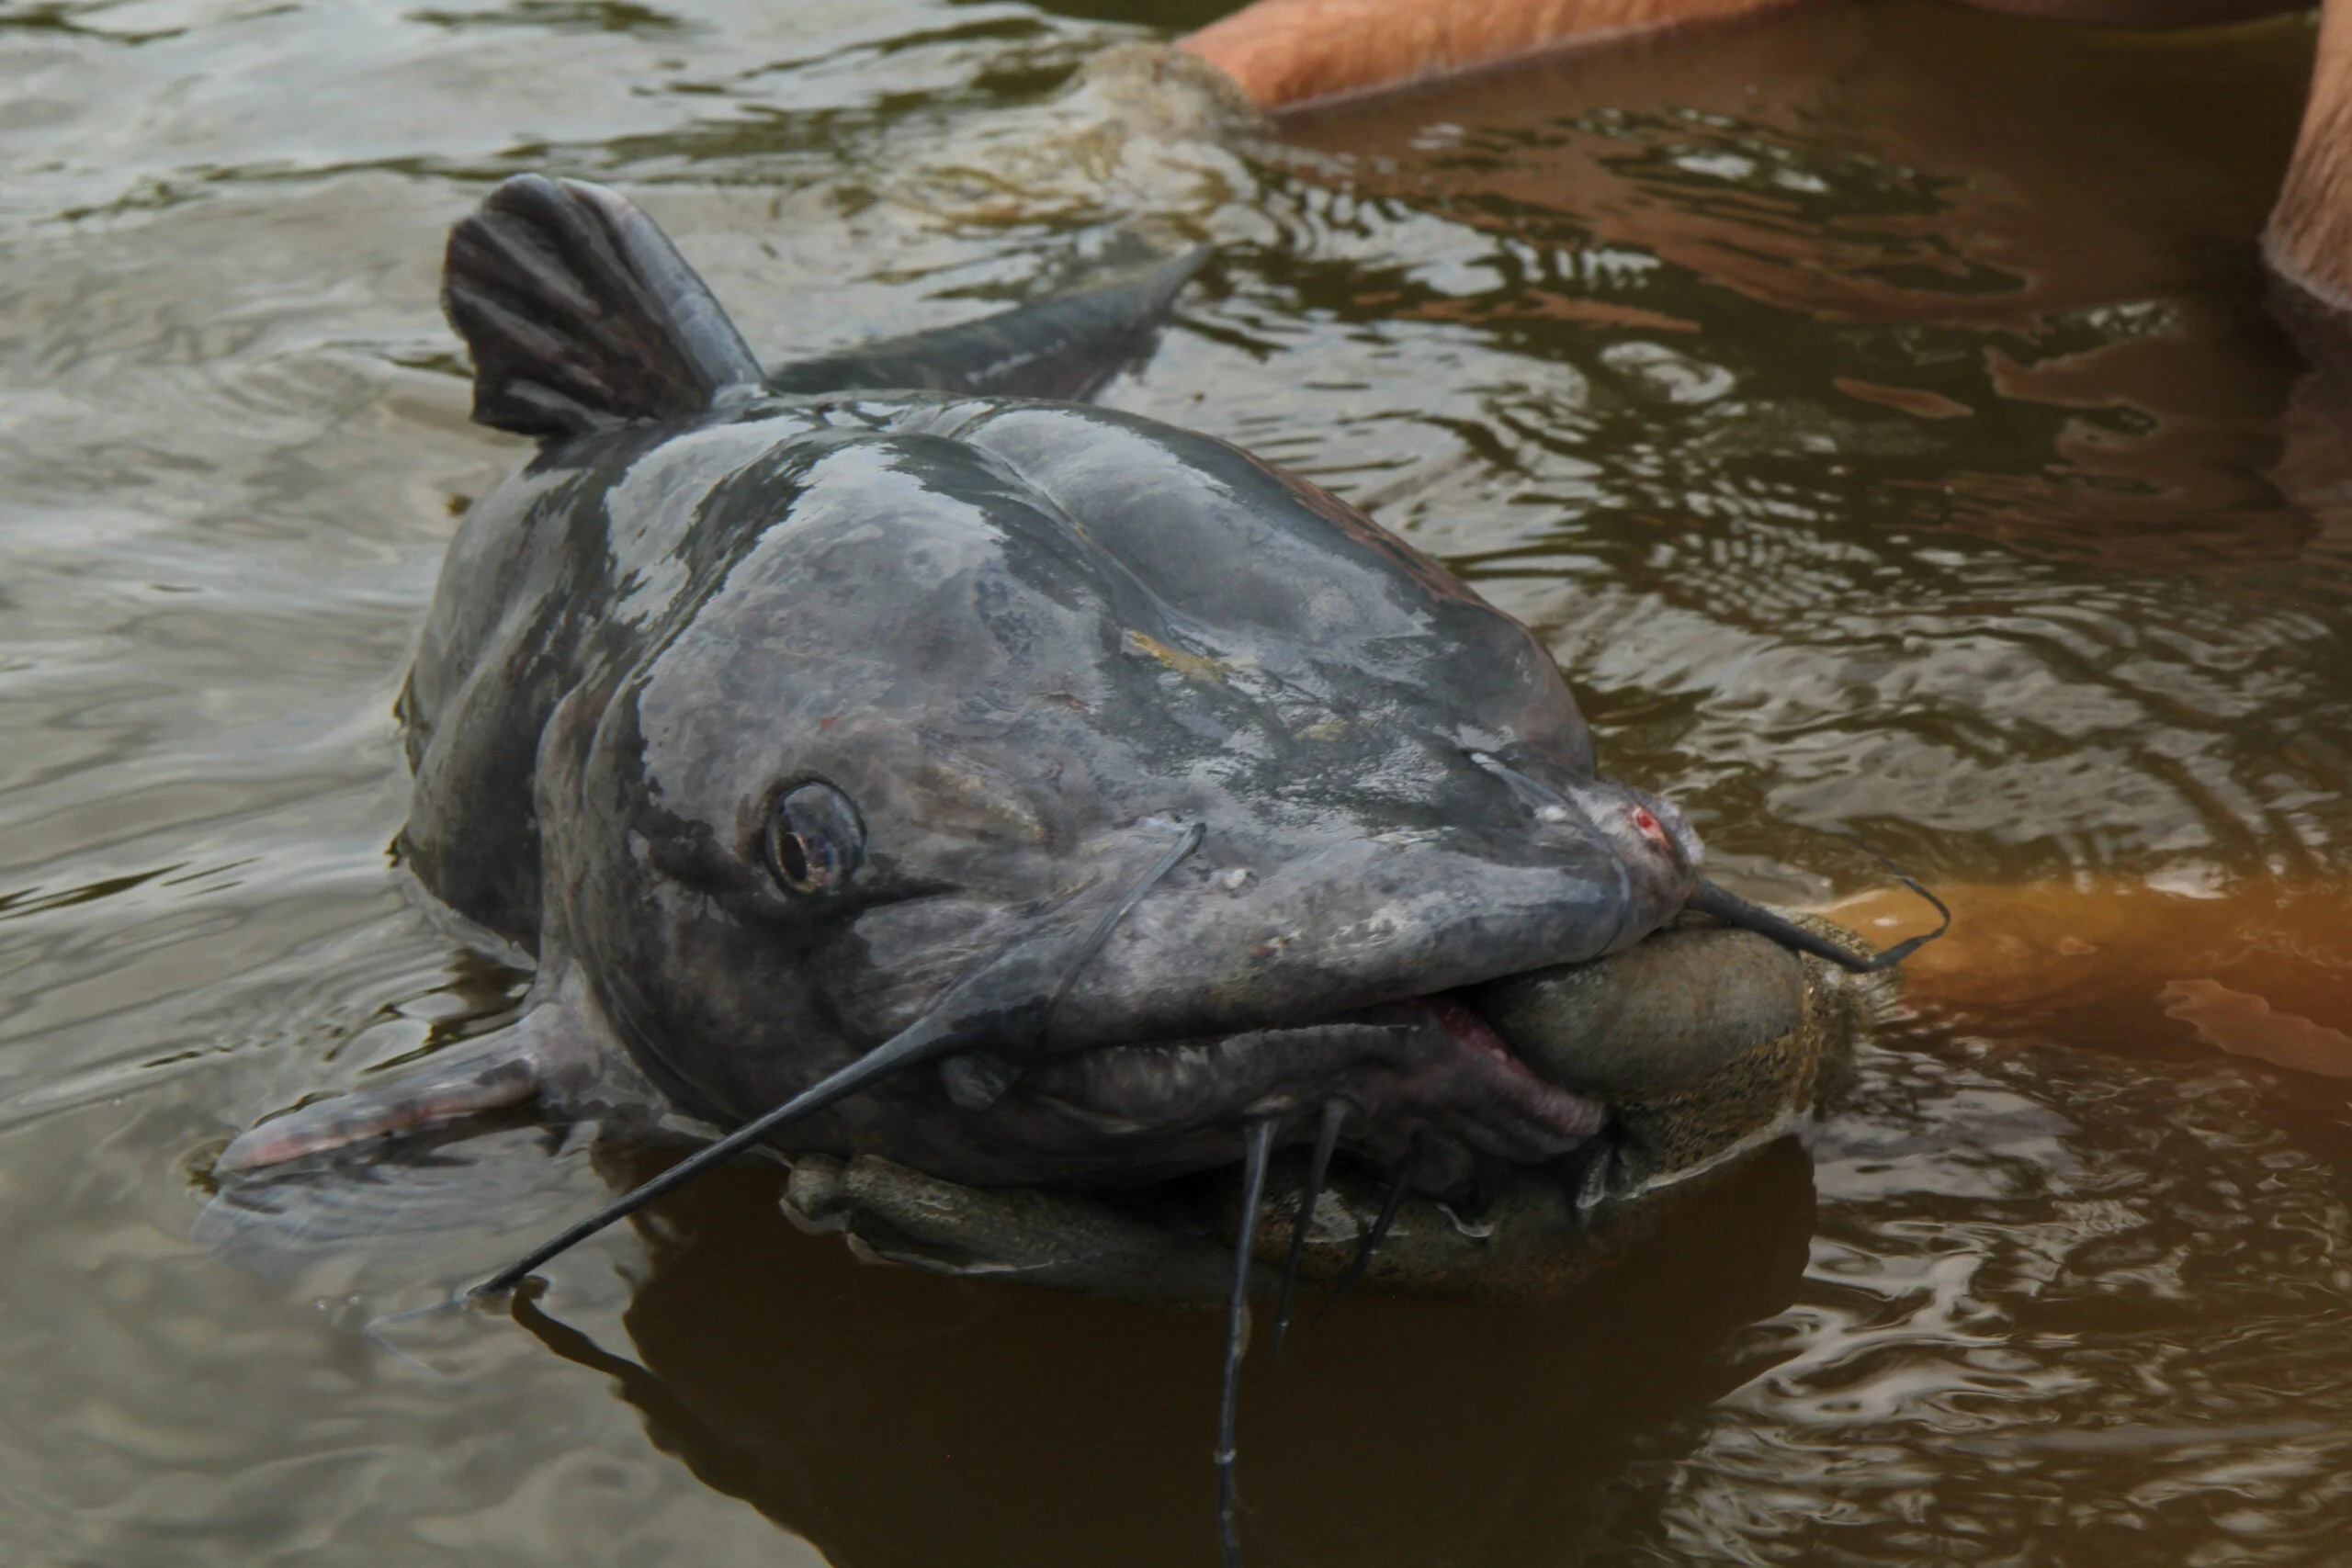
(1876, 410)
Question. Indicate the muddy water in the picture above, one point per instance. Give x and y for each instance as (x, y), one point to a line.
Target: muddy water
(1878, 411)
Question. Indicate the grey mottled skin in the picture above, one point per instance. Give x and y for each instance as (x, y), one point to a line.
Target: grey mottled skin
(1028, 641)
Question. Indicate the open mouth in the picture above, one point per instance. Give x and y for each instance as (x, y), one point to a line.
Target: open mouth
(1572, 1114)
(1429, 1075)
(1516, 1112)
(1462, 1021)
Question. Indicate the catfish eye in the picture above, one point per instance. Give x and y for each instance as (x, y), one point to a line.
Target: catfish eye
(814, 839)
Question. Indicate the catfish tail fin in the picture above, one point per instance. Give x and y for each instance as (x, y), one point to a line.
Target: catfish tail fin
(580, 314)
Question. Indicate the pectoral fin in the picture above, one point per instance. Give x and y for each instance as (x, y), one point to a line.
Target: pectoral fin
(553, 1053)
(490, 1074)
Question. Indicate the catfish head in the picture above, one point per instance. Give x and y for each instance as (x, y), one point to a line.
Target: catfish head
(1132, 788)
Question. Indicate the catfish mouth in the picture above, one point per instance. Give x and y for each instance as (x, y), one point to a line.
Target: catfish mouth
(1567, 1114)
(1426, 1081)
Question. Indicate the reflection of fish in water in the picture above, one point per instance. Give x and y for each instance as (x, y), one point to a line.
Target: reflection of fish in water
(432, 1207)
(1018, 791)
(888, 1421)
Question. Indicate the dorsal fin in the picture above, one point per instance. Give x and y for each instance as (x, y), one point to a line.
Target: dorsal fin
(581, 313)
(1064, 346)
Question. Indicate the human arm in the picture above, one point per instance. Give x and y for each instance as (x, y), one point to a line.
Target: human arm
(1289, 51)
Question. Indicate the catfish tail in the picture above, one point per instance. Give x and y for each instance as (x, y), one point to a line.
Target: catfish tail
(1064, 346)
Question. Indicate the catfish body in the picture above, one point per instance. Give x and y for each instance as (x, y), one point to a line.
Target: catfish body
(1018, 792)
(1146, 789)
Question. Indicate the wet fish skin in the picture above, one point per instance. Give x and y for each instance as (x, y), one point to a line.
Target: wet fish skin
(1007, 716)
(1064, 346)
(1020, 644)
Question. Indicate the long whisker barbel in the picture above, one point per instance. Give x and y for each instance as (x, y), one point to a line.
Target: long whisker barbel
(1236, 1328)
(1730, 908)
(919, 1042)
(1187, 840)
(1398, 1189)
(1327, 1139)
(1735, 910)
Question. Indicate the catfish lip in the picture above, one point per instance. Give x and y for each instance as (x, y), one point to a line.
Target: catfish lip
(1427, 1069)
(1473, 1034)
(1461, 1021)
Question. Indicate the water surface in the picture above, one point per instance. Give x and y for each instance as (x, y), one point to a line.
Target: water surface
(1878, 411)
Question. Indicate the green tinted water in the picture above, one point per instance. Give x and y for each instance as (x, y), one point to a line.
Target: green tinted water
(1876, 410)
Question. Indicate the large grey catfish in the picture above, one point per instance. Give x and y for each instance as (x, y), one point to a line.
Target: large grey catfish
(888, 758)
(811, 734)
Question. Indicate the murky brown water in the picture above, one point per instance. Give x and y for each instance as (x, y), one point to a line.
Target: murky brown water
(1877, 409)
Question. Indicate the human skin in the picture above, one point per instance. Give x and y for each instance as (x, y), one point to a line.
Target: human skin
(1290, 51)
(2259, 968)
(1283, 52)
(2311, 229)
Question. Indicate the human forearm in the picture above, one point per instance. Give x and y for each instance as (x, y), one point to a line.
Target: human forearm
(1285, 52)
(2309, 241)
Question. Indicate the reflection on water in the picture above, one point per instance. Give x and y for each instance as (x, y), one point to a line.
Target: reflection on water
(895, 1419)
(1878, 411)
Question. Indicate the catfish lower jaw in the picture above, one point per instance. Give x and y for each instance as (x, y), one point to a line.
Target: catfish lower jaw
(1427, 1071)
